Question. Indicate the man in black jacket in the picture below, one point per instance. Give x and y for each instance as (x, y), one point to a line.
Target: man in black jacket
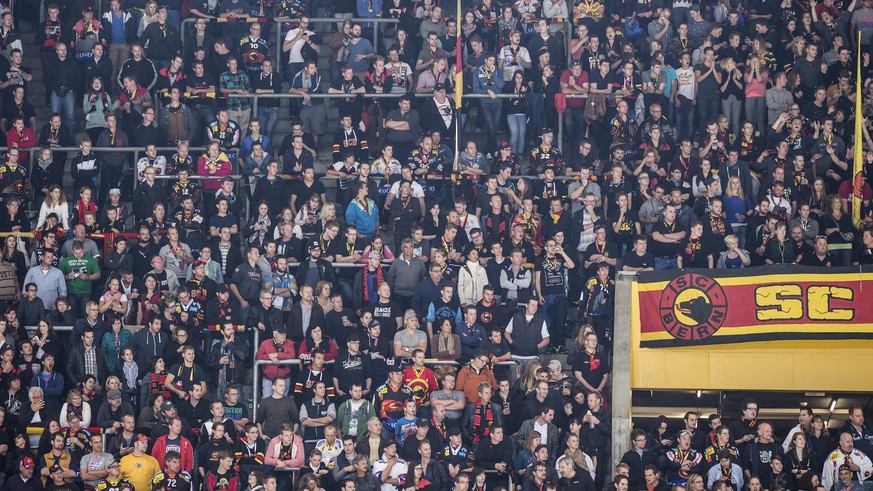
(264, 317)
(163, 40)
(78, 364)
(60, 83)
(573, 479)
(147, 194)
(296, 329)
(495, 453)
(323, 271)
(637, 459)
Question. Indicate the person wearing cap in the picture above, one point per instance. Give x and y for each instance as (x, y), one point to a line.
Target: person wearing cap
(57, 456)
(574, 83)
(110, 413)
(390, 468)
(355, 369)
(56, 480)
(322, 269)
(455, 456)
(392, 396)
(223, 306)
(410, 338)
(139, 467)
(438, 114)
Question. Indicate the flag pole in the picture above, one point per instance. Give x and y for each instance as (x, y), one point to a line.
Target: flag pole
(858, 164)
(459, 83)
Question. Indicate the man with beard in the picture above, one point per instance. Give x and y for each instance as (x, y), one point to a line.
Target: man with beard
(223, 306)
(143, 251)
(315, 268)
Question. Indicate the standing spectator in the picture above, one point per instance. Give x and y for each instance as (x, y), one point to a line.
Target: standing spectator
(235, 82)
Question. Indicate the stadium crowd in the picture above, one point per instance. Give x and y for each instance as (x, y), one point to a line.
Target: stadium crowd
(419, 289)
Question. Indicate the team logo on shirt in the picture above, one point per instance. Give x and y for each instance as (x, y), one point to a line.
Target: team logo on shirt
(693, 307)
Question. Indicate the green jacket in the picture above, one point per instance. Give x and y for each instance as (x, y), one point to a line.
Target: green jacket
(344, 416)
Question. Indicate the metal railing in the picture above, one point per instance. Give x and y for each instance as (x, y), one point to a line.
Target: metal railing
(256, 371)
(278, 54)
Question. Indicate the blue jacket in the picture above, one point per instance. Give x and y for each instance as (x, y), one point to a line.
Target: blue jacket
(471, 338)
(53, 387)
(366, 221)
(482, 83)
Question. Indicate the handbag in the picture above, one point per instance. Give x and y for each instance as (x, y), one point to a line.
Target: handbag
(632, 28)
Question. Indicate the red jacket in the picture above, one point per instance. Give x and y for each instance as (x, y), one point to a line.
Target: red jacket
(159, 452)
(272, 372)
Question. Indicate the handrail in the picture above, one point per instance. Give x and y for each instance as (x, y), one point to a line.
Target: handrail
(277, 53)
(256, 372)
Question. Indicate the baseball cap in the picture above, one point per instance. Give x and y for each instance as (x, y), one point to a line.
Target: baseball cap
(353, 337)
(373, 323)
(439, 86)
(423, 423)
(87, 9)
(198, 263)
(114, 191)
(314, 245)
(142, 438)
(555, 365)
(503, 144)
(28, 462)
(113, 393)
(454, 431)
(545, 130)
(409, 314)
(576, 63)
(167, 405)
(395, 368)
(55, 468)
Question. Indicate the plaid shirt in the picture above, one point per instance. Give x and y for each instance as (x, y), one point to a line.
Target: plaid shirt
(91, 361)
(240, 80)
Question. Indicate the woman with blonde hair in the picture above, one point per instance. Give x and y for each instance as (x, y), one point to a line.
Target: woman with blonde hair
(696, 482)
(737, 207)
(734, 257)
(150, 15)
